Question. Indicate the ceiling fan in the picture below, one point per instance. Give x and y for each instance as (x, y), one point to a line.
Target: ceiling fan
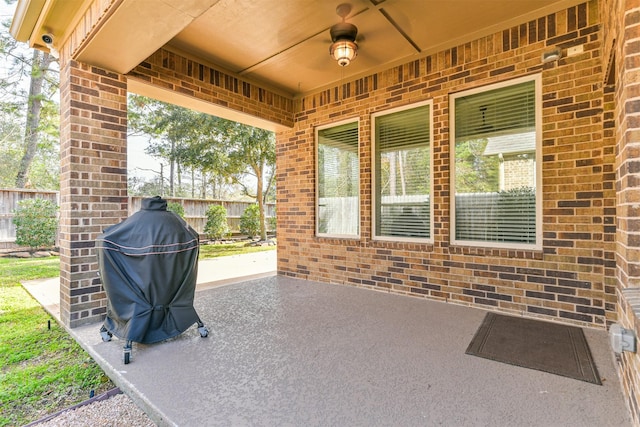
(343, 37)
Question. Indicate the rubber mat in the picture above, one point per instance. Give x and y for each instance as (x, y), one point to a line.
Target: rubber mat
(549, 347)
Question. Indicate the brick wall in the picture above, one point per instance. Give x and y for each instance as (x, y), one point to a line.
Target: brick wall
(517, 172)
(622, 100)
(568, 279)
(93, 185)
(177, 73)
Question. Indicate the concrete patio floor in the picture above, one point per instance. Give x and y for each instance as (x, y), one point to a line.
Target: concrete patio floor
(289, 352)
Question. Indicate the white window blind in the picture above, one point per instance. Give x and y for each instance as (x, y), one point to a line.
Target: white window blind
(338, 181)
(509, 110)
(495, 185)
(403, 168)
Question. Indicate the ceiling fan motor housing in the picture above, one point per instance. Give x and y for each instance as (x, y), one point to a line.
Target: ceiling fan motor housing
(343, 31)
(344, 47)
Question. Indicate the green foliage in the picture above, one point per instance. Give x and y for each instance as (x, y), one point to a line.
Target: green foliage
(29, 120)
(36, 222)
(43, 370)
(176, 208)
(218, 152)
(522, 192)
(187, 140)
(475, 172)
(250, 221)
(273, 223)
(217, 226)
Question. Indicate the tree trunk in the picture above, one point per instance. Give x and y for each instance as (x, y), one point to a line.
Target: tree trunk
(40, 63)
(162, 179)
(172, 167)
(179, 173)
(193, 183)
(204, 185)
(260, 199)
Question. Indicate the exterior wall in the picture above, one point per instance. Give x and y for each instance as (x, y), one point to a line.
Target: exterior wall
(621, 52)
(518, 172)
(171, 71)
(590, 256)
(569, 280)
(93, 181)
(93, 155)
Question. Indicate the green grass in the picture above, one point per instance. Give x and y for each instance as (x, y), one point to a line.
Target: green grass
(218, 250)
(42, 370)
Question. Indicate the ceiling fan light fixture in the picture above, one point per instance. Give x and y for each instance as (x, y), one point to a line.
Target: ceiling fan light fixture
(343, 37)
(343, 51)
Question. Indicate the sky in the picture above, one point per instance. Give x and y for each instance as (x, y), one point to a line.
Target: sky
(137, 159)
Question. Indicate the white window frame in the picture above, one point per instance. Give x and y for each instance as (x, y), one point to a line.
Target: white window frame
(374, 190)
(537, 79)
(317, 179)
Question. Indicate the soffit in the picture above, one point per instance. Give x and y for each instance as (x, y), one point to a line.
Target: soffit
(286, 43)
(282, 44)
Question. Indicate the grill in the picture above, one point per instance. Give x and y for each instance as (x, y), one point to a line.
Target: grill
(148, 264)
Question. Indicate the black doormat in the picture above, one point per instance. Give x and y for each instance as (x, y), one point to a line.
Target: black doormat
(549, 347)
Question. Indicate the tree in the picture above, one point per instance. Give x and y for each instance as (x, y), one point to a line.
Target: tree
(39, 65)
(185, 139)
(222, 151)
(253, 152)
(32, 149)
(475, 172)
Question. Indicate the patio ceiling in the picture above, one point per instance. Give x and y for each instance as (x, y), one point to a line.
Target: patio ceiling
(282, 44)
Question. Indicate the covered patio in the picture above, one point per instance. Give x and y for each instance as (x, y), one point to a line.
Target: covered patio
(287, 352)
(432, 83)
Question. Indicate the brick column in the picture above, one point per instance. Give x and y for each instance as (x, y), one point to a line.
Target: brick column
(625, 25)
(93, 181)
(628, 142)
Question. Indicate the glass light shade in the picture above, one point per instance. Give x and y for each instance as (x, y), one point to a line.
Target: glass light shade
(344, 51)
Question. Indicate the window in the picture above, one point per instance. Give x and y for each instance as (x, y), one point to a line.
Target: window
(402, 174)
(338, 185)
(496, 159)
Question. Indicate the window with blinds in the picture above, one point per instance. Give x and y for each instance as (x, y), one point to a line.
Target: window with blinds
(402, 156)
(496, 196)
(338, 184)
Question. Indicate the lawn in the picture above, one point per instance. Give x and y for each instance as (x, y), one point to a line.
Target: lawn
(218, 250)
(42, 368)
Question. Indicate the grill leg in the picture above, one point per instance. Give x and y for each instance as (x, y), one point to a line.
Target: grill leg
(126, 355)
(204, 332)
(106, 335)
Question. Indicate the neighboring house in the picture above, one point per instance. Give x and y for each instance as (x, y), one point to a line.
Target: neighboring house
(401, 124)
(517, 159)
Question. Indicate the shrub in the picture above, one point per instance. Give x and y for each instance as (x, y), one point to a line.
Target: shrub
(36, 222)
(272, 222)
(250, 221)
(217, 227)
(176, 208)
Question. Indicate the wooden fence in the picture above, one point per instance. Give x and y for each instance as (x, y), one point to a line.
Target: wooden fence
(194, 211)
(9, 199)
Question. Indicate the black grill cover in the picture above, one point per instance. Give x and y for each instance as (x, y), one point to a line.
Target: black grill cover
(148, 264)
